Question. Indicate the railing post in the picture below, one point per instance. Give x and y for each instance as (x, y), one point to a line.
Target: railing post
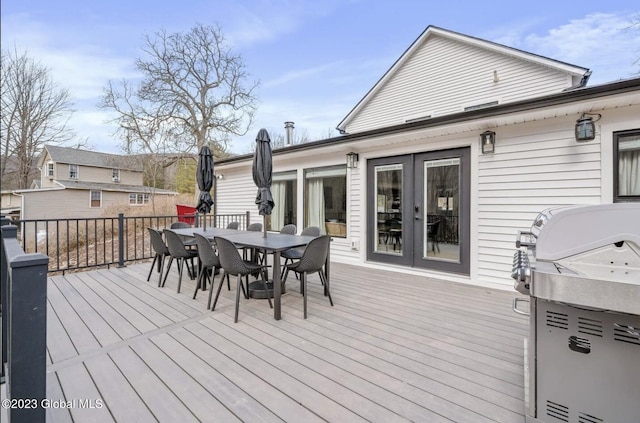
(248, 219)
(121, 240)
(4, 295)
(27, 328)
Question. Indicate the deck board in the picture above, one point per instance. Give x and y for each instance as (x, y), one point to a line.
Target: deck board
(116, 392)
(392, 366)
(395, 347)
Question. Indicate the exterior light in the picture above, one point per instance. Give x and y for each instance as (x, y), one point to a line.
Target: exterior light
(586, 128)
(488, 142)
(352, 160)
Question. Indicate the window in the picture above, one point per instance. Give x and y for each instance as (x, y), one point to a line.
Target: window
(96, 199)
(326, 200)
(626, 165)
(284, 188)
(138, 199)
(73, 171)
(115, 175)
(50, 169)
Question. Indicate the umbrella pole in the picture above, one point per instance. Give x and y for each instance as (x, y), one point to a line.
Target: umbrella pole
(204, 221)
(264, 226)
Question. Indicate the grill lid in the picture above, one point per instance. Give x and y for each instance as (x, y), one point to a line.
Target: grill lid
(571, 231)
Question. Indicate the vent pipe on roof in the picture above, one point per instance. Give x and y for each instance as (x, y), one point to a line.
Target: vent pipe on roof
(288, 126)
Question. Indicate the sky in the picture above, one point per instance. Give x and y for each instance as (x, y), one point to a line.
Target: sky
(314, 59)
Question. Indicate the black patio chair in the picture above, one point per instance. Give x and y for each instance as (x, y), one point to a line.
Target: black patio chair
(233, 264)
(432, 234)
(313, 260)
(161, 251)
(296, 253)
(179, 225)
(189, 242)
(208, 262)
(179, 252)
(254, 227)
(289, 229)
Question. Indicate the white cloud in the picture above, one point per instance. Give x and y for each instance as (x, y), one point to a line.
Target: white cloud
(601, 42)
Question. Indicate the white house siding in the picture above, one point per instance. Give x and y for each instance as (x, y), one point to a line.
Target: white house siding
(537, 166)
(105, 175)
(237, 193)
(355, 212)
(70, 204)
(445, 76)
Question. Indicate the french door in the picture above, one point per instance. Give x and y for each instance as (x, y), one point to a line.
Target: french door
(419, 210)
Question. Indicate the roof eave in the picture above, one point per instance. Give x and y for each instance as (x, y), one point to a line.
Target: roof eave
(617, 87)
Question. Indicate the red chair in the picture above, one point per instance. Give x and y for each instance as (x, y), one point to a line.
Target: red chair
(186, 214)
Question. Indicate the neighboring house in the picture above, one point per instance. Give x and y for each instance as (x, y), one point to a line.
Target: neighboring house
(77, 183)
(10, 205)
(421, 196)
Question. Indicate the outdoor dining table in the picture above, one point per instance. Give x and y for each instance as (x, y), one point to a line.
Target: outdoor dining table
(209, 233)
(273, 243)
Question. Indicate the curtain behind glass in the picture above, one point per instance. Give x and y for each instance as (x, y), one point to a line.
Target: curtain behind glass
(278, 192)
(315, 203)
(629, 173)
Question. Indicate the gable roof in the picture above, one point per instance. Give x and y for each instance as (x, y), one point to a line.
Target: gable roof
(583, 100)
(90, 158)
(579, 74)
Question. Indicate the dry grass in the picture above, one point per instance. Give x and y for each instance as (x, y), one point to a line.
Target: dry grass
(94, 242)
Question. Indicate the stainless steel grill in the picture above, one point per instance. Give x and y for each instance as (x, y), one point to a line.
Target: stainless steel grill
(580, 270)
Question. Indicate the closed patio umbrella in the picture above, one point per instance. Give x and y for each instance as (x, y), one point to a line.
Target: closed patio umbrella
(262, 168)
(204, 175)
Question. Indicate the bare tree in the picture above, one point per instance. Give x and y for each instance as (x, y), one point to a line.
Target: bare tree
(278, 139)
(35, 111)
(193, 92)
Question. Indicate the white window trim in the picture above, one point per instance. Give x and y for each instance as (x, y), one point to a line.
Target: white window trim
(134, 196)
(50, 169)
(90, 199)
(77, 171)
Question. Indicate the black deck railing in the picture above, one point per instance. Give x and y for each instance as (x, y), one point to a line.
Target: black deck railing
(74, 244)
(23, 290)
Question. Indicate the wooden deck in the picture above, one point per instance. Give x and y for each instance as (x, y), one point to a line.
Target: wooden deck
(394, 348)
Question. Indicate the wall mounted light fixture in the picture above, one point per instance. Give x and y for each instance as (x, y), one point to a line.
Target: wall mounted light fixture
(586, 127)
(352, 160)
(488, 142)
